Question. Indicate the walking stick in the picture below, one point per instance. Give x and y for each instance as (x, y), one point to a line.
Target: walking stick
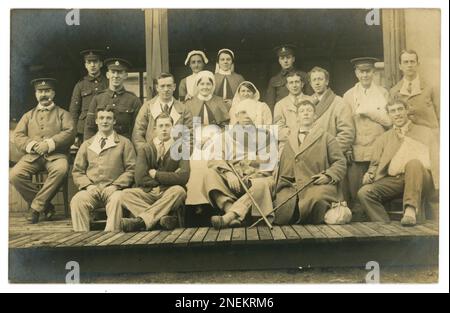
(283, 203)
(250, 195)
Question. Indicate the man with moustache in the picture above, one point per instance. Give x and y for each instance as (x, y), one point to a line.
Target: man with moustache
(405, 162)
(104, 165)
(89, 86)
(45, 135)
(164, 102)
(277, 88)
(125, 103)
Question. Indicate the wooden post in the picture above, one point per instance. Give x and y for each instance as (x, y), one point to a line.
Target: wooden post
(393, 25)
(156, 45)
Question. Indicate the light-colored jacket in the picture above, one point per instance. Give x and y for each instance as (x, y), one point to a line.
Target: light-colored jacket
(145, 120)
(35, 126)
(424, 107)
(114, 165)
(389, 143)
(369, 124)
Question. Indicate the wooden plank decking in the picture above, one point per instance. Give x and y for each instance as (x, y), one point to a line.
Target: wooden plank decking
(48, 246)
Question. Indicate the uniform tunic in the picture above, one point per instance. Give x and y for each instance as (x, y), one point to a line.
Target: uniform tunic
(127, 107)
(277, 90)
(82, 95)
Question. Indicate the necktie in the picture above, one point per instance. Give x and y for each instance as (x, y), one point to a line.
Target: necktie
(102, 142)
(166, 109)
(302, 135)
(162, 151)
(409, 89)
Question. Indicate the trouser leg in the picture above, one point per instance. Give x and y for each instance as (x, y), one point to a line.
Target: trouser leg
(81, 206)
(57, 170)
(20, 177)
(373, 196)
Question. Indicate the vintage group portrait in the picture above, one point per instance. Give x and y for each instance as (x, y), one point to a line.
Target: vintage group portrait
(196, 140)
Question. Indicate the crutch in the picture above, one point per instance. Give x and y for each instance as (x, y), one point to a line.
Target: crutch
(249, 195)
(283, 203)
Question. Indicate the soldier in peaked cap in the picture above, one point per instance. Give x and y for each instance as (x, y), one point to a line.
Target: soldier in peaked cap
(44, 135)
(126, 103)
(277, 85)
(83, 92)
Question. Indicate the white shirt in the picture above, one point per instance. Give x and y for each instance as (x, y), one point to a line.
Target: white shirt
(203, 98)
(96, 143)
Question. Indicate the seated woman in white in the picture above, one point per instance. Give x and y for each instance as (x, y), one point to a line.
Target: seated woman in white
(210, 116)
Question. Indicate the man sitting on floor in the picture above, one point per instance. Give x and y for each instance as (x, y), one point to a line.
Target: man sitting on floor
(404, 162)
(160, 182)
(104, 166)
(310, 153)
(252, 151)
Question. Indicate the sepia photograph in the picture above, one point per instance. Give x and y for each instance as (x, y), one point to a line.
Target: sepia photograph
(224, 146)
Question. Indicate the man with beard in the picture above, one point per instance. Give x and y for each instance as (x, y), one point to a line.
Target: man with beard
(124, 102)
(45, 135)
(83, 92)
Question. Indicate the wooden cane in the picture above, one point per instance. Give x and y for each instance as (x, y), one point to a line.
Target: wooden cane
(283, 203)
(249, 195)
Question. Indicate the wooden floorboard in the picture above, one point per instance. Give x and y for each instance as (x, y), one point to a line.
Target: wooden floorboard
(303, 233)
(290, 233)
(239, 236)
(252, 235)
(172, 237)
(211, 236)
(277, 233)
(199, 236)
(186, 236)
(255, 248)
(345, 234)
(224, 235)
(149, 237)
(264, 233)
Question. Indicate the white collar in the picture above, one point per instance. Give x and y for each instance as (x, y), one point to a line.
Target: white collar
(170, 104)
(50, 107)
(167, 144)
(415, 86)
(299, 97)
(223, 72)
(404, 129)
(203, 98)
(96, 143)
